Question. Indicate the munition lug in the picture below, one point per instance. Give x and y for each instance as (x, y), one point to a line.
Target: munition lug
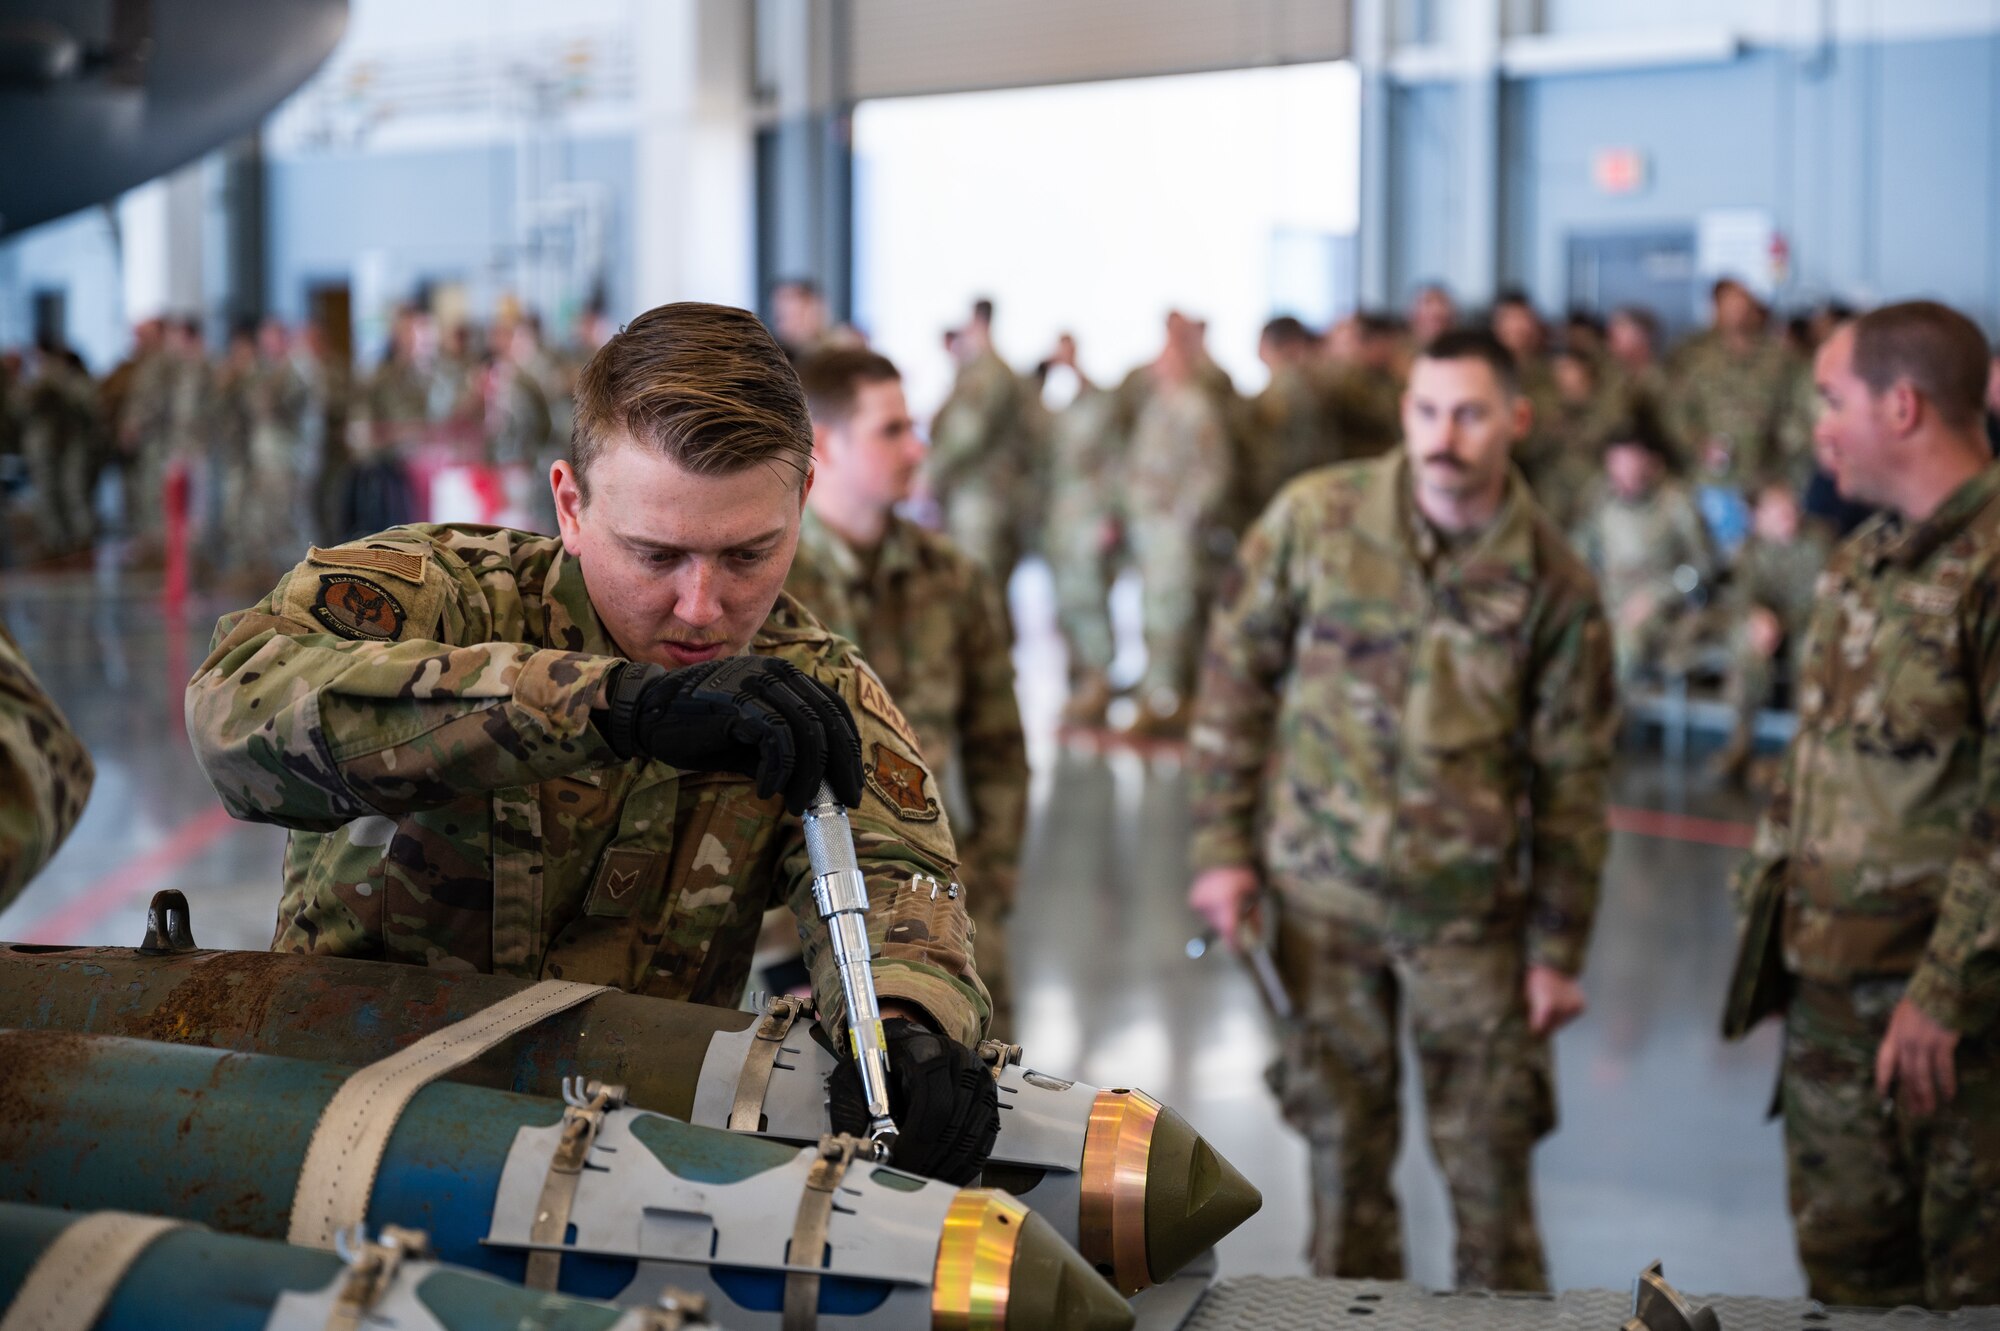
(998, 1056)
(168, 926)
(371, 1268)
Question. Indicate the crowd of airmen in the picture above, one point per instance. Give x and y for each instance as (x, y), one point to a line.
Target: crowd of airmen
(272, 437)
(1684, 475)
(1391, 602)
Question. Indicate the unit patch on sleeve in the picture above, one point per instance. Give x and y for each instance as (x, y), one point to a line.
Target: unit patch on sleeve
(902, 785)
(357, 607)
(875, 701)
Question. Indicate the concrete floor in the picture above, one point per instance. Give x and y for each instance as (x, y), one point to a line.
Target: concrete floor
(1663, 1152)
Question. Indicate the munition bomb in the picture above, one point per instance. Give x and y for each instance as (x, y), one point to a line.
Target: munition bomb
(1124, 1180)
(102, 1123)
(194, 1279)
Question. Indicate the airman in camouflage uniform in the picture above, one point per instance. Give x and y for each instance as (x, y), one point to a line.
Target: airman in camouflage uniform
(61, 442)
(980, 467)
(1732, 398)
(45, 774)
(1290, 431)
(1086, 449)
(1178, 474)
(1869, 896)
(430, 711)
(933, 626)
(934, 630)
(1380, 703)
(1765, 612)
(417, 708)
(1643, 533)
(1361, 388)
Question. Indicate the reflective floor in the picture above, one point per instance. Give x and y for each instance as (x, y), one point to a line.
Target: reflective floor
(1663, 1152)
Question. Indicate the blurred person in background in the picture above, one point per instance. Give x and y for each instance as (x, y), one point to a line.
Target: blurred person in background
(62, 439)
(1432, 313)
(1651, 551)
(1178, 479)
(1517, 326)
(1290, 432)
(1732, 404)
(281, 410)
(1869, 895)
(1084, 532)
(1632, 368)
(1406, 700)
(1584, 410)
(1360, 379)
(980, 468)
(799, 316)
(234, 416)
(932, 624)
(1764, 613)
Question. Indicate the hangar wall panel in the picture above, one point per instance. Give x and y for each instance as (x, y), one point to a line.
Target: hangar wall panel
(901, 47)
(1878, 161)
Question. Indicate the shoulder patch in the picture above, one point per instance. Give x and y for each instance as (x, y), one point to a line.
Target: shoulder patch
(876, 702)
(358, 607)
(407, 565)
(902, 785)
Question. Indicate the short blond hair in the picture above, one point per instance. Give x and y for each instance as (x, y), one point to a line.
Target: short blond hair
(706, 386)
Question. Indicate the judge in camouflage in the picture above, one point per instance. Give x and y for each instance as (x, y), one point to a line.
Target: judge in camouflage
(1407, 686)
(1880, 853)
(930, 620)
(45, 774)
(426, 710)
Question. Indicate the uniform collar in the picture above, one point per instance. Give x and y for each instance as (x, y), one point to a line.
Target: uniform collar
(1909, 544)
(1388, 517)
(567, 609)
(896, 555)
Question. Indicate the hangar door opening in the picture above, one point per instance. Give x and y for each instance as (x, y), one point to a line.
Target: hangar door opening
(1097, 207)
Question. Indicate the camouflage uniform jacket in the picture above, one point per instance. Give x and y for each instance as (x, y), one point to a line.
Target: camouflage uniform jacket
(1085, 459)
(1181, 462)
(417, 708)
(1781, 578)
(974, 434)
(1883, 828)
(1744, 399)
(1290, 433)
(1414, 714)
(45, 774)
(934, 628)
(1638, 545)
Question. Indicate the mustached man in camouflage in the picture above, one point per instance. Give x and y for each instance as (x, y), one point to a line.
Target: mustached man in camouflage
(584, 756)
(1407, 696)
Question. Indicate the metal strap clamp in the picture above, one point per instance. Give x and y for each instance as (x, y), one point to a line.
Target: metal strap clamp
(588, 1103)
(371, 1270)
(998, 1056)
(808, 1248)
(780, 1015)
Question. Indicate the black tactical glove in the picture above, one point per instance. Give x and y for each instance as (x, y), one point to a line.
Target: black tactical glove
(754, 715)
(942, 1096)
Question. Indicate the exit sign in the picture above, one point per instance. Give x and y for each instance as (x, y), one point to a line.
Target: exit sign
(1618, 170)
